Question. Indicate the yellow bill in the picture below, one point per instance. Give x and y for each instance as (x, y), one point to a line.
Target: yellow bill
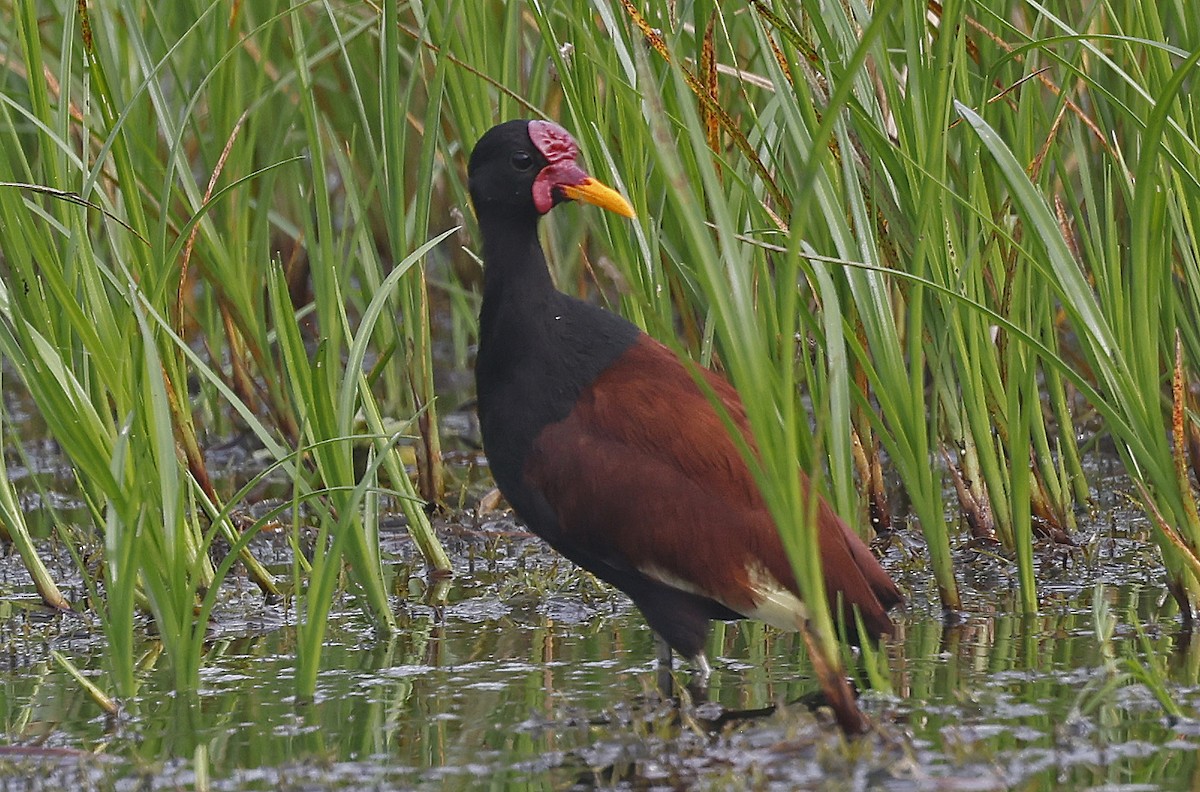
(595, 192)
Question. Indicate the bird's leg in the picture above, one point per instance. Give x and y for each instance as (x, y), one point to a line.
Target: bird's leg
(666, 684)
(663, 650)
(701, 671)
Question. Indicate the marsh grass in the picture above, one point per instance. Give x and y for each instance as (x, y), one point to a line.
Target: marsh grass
(924, 244)
(881, 208)
(156, 263)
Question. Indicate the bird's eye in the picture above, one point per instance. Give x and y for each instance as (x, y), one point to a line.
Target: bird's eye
(521, 161)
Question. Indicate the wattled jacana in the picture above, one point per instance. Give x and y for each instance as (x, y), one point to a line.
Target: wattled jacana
(603, 443)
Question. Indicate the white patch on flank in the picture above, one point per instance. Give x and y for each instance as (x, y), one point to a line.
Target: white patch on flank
(663, 576)
(776, 606)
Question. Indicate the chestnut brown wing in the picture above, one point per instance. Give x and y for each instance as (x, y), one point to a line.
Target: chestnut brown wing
(643, 474)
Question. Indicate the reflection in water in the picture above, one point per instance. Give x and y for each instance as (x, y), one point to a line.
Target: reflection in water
(534, 676)
(533, 692)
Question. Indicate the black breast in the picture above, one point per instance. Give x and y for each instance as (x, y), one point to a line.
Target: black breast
(546, 355)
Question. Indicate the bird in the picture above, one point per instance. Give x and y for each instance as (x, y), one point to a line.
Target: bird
(604, 445)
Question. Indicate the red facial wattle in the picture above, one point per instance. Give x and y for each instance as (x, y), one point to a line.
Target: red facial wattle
(564, 174)
(561, 152)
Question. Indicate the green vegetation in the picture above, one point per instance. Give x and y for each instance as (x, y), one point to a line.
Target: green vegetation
(942, 243)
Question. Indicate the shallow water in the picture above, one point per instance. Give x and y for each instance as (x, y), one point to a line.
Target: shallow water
(534, 676)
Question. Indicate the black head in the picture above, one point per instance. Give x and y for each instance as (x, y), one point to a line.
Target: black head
(526, 168)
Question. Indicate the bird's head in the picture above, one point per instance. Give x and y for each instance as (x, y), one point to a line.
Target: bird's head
(529, 167)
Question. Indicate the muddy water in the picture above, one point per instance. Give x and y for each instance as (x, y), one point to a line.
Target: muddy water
(533, 676)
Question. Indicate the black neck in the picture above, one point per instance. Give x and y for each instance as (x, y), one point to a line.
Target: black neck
(538, 348)
(513, 259)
